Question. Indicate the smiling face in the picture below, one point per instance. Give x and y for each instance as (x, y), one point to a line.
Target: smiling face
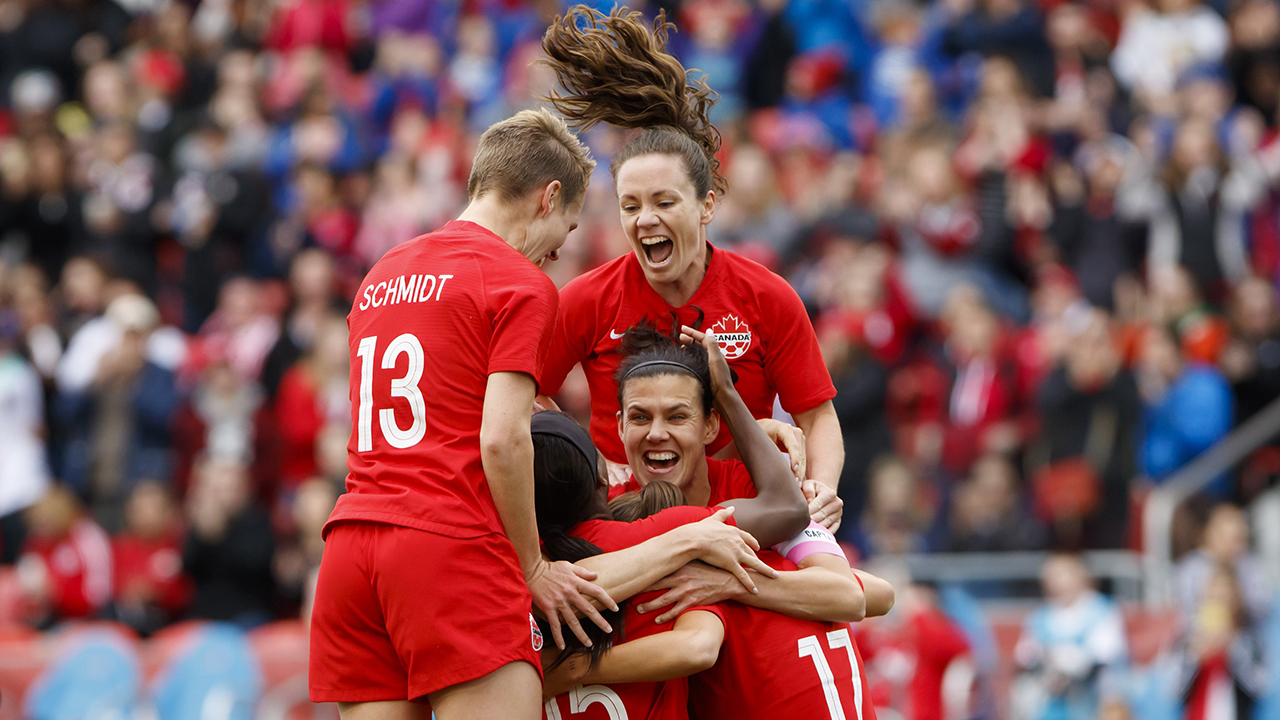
(663, 217)
(664, 428)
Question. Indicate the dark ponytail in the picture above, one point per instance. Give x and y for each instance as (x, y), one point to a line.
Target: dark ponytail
(564, 483)
(615, 69)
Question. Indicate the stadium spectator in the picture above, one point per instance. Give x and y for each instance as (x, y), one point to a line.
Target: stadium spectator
(229, 546)
(908, 653)
(988, 514)
(65, 566)
(24, 471)
(297, 560)
(1225, 541)
(312, 396)
(861, 381)
(151, 589)
(1251, 361)
(1223, 672)
(1070, 647)
(1187, 406)
(1157, 44)
(117, 428)
(1090, 410)
(899, 511)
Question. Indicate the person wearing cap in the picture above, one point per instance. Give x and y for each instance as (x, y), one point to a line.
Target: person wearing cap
(119, 424)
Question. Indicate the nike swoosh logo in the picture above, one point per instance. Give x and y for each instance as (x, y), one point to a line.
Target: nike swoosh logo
(616, 335)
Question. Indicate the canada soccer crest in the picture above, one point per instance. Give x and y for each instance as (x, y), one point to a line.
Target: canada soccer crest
(537, 633)
(733, 336)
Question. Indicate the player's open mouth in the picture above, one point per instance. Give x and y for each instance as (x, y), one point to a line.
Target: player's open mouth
(660, 461)
(658, 249)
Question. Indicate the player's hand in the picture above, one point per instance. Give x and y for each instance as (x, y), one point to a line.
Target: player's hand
(790, 440)
(619, 473)
(825, 506)
(693, 585)
(721, 375)
(729, 548)
(560, 591)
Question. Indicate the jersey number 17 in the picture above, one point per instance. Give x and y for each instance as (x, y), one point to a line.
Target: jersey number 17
(811, 648)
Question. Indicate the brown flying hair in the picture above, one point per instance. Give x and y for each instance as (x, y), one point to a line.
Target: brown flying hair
(526, 152)
(615, 69)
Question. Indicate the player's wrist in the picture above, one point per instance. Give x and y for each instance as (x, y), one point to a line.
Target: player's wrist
(689, 544)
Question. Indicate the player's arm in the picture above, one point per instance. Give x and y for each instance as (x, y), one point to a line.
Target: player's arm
(779, 510)
(626, 572)
(691, 646)
(879, 593)
(823, 588)
(825, 446)
(560, 589)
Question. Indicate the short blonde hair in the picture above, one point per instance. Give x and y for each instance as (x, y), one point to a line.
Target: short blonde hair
(527, 151)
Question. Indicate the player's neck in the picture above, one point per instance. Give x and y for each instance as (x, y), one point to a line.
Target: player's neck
(498, 218)
(698, 490)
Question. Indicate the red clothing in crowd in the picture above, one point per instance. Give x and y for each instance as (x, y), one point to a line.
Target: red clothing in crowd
(151, 571)
(310, 23)
(926, 641)
(300, 417)
(77, 567)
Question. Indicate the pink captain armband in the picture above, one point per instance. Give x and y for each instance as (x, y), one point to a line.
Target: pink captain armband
(812, 540)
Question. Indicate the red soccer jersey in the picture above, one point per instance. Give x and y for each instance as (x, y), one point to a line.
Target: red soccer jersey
(729, 480)
(640, 700)
(77, 567)
(773, 666)
(759, 320)
(432, 320)
(151, 571)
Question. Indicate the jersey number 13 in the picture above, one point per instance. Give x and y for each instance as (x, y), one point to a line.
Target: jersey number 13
(405, 387)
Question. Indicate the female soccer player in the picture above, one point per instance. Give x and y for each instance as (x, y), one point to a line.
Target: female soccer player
(574, 522)
(614, 69)
(770, 665)
(446, 336)
(667, 391)
(665, 386)
(815, 668)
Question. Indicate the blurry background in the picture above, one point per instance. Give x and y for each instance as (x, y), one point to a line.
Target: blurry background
(1040, 242)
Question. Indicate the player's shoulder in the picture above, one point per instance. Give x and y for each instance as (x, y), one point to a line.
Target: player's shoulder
(742, 277)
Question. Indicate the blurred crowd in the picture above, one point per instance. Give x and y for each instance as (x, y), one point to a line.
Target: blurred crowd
(1039, 240)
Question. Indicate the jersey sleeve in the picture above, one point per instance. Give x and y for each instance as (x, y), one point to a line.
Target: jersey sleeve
(523, 307)
(793, 362)
(571, 339)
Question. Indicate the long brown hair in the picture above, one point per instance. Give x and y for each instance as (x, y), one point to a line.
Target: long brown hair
(615, 69)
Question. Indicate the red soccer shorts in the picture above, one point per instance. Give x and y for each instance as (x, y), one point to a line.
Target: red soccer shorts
(400, 613)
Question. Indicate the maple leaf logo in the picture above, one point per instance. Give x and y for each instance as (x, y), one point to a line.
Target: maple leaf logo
(733, 336)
